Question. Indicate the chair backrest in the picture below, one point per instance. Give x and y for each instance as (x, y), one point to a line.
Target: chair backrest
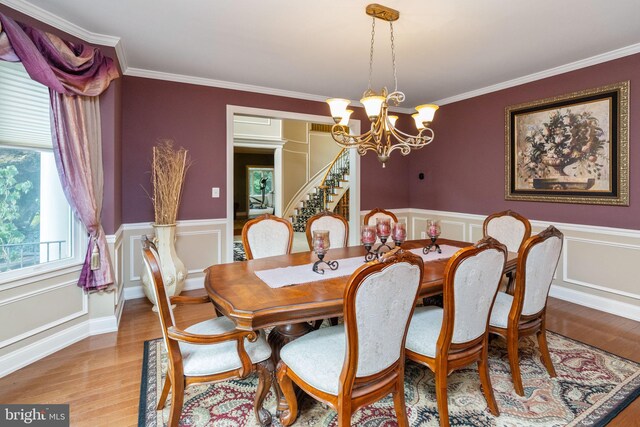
(509, 228)
(378, 303)
(336, 225)
(538, 260)
(267, 235)
(370, 217)
(165, 312)
(471, 280)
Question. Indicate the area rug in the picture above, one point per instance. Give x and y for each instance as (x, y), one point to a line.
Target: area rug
(592, 386)
(238, 252)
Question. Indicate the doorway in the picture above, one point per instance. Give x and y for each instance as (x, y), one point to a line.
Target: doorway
(277, 187)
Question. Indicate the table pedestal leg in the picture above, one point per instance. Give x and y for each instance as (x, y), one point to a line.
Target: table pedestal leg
(278, 337)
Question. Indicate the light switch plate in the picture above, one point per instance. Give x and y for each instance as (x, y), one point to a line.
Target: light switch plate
(215, 192)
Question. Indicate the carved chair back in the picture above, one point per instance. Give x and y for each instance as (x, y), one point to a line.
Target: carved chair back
(537, 260)
(336, 225)
(509, 228)
(267, 235)
(378, 304)
(472, 277)
(370, 217)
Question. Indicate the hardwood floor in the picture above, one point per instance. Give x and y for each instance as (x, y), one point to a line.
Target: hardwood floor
(100, 376)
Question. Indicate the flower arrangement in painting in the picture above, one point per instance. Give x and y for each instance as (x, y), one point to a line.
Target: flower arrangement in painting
(566, 139)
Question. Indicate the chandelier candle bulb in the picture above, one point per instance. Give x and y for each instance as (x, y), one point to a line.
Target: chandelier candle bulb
(345, 118)
(338, 107)
(392, 120)
(426, 112)
(373, 105)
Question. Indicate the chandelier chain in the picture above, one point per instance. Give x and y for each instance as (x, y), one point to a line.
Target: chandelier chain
(373, 37)
(393, 58)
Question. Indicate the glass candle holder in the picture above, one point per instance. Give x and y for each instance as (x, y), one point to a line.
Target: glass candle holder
(399, 232)
(368, 235)
(320, 243)
(433, 231)
(383, 227)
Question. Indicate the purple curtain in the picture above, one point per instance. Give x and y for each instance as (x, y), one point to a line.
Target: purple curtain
(76, 75)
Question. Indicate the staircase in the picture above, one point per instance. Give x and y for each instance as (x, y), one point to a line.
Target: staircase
(330, 193)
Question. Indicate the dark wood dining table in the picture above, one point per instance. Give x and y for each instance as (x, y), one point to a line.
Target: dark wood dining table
(238, 293)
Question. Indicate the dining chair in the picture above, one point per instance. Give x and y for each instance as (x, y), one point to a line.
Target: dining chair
(267, 235)
(370, 217)
(511, 229)
(206, 352)
(361, 361)
(337, 226)
(524, 312)
(448, 338)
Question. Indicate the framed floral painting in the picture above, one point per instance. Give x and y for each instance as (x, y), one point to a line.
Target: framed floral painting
(571, 149)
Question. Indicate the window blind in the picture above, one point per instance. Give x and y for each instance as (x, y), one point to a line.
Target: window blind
(24, 109)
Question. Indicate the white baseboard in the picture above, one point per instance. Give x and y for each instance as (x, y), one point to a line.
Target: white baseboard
(596, 302)
(33, 352)
(135, 292)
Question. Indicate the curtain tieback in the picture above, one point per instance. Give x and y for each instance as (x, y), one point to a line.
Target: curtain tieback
(95, 255)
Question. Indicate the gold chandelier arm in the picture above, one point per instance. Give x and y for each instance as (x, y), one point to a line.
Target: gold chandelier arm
(347, 140)
(424, 137)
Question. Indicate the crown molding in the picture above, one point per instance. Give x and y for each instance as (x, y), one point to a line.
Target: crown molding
(70, 28)
(583, 63)
(60, 23)
(201, 81)
(115, 42)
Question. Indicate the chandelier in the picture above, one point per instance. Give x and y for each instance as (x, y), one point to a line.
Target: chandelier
(383, 137)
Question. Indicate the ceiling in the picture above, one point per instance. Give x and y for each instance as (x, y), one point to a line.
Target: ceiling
(446, 50)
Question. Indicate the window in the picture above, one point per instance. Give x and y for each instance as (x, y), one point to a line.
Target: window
(37, 228)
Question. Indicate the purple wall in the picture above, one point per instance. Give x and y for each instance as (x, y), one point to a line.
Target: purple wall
(464, 166)
(195, 118)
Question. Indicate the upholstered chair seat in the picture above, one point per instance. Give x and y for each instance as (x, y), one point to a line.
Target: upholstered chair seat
(200, 360)
(501, 308)
(322, 371)
(424, 330)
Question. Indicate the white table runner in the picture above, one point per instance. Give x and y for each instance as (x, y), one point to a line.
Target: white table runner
(300, 274)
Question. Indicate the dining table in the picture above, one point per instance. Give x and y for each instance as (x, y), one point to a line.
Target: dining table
(237, 291)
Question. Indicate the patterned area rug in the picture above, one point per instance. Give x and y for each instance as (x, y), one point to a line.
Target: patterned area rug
(592, 386)
(238, 252)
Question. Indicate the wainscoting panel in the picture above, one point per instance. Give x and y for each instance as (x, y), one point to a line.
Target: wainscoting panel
(199, 244)
(598, 268)
(49, 306)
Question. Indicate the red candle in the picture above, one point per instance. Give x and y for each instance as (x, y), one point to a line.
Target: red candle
(399, 232)
(320, 241)
(383, 227)
(368, 234)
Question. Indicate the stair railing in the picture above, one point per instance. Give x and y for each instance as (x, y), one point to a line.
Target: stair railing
(336, 172)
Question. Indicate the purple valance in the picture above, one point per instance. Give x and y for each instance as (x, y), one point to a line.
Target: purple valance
(64, 67)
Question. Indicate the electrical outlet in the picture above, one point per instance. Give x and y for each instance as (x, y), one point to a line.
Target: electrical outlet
(423, 235)
(215, 192)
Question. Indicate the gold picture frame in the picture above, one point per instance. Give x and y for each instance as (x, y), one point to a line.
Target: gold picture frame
(572, 148)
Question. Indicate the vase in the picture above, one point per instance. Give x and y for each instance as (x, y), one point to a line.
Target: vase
(174, 273)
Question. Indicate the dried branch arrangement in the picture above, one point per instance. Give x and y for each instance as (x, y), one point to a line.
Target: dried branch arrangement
(168, 171)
